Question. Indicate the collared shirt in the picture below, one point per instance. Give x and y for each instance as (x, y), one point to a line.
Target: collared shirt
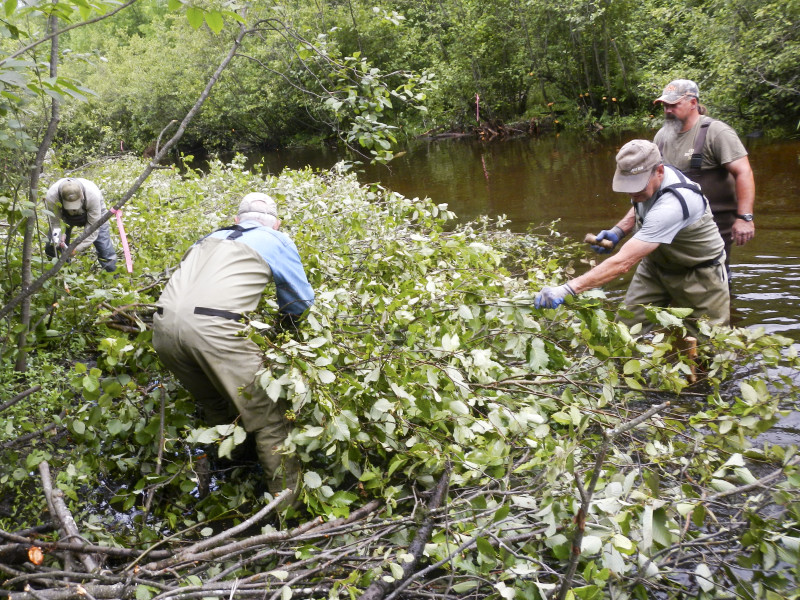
(294, 294)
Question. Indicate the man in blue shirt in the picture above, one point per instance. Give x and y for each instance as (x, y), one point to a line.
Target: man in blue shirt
(198, 330)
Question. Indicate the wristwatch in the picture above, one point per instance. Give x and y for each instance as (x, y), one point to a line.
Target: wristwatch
(745, 217)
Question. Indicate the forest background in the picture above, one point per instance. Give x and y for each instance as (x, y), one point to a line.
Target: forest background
(454, 438)
(575, 61)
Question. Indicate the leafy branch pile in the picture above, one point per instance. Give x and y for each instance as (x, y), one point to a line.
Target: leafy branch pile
(454, 439)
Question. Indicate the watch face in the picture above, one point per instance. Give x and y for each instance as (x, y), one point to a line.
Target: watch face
(746, 217)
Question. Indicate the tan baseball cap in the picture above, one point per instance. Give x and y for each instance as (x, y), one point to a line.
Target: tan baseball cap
(259, 203)
(71, 194)
(635, 163)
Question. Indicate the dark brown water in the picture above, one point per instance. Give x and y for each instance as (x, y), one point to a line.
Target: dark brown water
(567, 177)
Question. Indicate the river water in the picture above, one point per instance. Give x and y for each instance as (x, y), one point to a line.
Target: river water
(567, 178)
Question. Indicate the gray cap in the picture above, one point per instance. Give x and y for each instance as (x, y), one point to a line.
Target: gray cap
(71, 194)
(677, 89)
(635, 163)
(258, 203)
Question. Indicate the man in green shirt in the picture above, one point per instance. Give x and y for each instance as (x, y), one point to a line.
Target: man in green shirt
(709, 153)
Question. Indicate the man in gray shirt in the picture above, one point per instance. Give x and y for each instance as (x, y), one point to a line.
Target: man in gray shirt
(78, 203)
(676, 244)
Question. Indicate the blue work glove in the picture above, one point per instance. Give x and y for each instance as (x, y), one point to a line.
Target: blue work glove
(551, 297)
(613, 235)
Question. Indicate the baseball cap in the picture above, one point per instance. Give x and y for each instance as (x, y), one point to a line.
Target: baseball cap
(71, 194)
(259, 203)
(635, 163)
(677, 89)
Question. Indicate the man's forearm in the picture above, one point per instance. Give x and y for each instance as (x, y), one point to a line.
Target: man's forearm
(622, 262)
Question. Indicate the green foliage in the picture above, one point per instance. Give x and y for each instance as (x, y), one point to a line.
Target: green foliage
(422, 352)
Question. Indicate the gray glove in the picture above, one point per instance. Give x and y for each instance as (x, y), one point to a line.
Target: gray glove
(551, 297)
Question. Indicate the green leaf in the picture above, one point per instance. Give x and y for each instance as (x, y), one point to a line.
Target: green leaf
(312, 480)
(10, 6)
(485, 547)
(704, 577)
(144, 592)
(661, 532)
(214, 21)
(195, 17)
(326, 377)
(502, 512)
(591, 544)
(226, 447)
(749, 393)
(206, 436)
(632, 366)
(397, 570)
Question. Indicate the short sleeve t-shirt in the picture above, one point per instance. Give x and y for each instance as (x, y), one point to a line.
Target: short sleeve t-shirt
(662, 217)
(721, 146)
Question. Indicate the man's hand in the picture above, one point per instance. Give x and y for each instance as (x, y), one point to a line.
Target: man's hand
(551, 297)
(742, 232)
(613, 235)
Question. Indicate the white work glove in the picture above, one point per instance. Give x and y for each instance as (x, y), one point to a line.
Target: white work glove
(551, 297)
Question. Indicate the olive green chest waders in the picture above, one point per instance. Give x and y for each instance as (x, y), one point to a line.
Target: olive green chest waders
(689, 272)
(198, 334)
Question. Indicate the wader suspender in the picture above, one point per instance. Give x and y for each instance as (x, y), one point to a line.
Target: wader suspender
(236, 231)
(697, 155)
(684, 184)
(697, 152)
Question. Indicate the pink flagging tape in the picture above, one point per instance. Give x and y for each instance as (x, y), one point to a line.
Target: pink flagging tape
(125, 248)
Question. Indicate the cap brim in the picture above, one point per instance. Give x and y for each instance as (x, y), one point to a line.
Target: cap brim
(667, 100)
(630, 184)
(71, 204)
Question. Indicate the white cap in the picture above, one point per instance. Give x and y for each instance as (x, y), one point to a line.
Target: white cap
(258, 203)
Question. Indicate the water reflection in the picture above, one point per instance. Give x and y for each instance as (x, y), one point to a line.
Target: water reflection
(768, 294)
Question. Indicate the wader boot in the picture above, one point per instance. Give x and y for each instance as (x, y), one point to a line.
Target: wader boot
(280, 470)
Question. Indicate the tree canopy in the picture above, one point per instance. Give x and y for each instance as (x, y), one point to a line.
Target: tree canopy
(363, 70)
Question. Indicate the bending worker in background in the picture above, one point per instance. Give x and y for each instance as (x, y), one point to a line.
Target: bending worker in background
(79, 203)
(709, 153)
(199, 328)
(678, 248)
